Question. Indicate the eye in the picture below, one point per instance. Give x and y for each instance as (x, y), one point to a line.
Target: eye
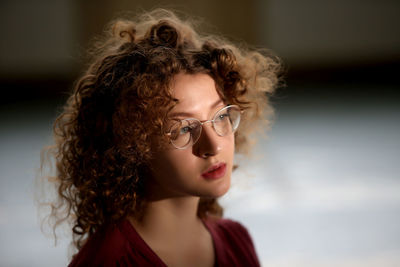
(185, 130)
(223, 116)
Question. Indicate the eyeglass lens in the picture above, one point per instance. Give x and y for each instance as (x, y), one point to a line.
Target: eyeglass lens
(186, 132)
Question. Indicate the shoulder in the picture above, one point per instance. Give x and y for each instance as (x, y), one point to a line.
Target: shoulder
(229, 228)
(115, 245)
(105, 246)
(233, 243)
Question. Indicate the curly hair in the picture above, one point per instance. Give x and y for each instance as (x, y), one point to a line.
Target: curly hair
(103, 137)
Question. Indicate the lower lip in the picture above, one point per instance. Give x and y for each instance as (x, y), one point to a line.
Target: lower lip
(215, 174)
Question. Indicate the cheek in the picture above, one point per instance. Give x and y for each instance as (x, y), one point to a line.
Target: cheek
(173, 162)
(230, 151)
(230, 145)
(179, 160)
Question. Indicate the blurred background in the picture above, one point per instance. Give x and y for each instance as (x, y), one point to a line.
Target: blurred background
(322, 190)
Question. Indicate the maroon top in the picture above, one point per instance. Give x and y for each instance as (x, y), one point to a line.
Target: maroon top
(121, 245)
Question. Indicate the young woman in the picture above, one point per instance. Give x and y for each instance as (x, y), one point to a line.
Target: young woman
(145, 146)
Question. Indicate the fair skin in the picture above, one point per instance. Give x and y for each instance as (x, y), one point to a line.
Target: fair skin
(170, 225)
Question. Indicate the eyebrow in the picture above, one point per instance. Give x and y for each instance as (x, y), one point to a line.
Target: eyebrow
(188, 114)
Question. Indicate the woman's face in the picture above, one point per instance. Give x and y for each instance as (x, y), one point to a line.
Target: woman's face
(203, 169)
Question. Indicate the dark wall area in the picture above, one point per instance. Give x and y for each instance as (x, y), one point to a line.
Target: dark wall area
(356, 42)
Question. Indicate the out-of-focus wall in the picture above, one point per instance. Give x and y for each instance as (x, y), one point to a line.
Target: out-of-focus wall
(47, 38)
(340, 32)
(37, 38)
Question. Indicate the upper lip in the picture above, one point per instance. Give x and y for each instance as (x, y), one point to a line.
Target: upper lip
(214, 167)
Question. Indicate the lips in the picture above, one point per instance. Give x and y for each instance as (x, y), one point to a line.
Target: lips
(215, 171)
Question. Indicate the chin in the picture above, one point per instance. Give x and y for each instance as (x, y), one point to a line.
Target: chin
(220, 189)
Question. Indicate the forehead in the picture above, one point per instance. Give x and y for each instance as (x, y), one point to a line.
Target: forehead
(194, 91)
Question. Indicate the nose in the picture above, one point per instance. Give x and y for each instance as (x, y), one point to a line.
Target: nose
(208, 144)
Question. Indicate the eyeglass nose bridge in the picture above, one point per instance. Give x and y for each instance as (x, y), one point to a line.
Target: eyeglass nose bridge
(207, 121)
(204, 122)
(194, 140)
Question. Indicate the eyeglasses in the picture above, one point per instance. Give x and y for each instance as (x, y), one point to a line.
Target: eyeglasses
(186, 132)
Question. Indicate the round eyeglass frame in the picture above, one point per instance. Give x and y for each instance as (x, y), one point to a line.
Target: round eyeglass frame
(201, 123)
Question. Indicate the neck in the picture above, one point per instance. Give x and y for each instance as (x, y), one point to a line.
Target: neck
(169, 216)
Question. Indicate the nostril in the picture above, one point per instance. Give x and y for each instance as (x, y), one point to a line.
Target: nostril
(206, 155)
